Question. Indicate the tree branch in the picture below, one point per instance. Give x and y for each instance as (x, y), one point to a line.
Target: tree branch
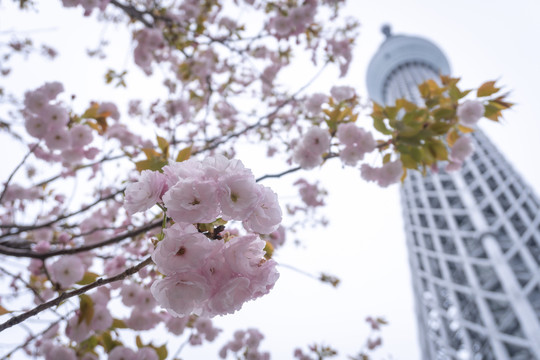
(31, 254)
(22, 228)
(64, 296)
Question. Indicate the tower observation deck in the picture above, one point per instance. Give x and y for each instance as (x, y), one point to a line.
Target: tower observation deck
(473, 236)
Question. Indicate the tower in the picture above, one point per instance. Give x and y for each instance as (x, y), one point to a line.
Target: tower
(473, 236)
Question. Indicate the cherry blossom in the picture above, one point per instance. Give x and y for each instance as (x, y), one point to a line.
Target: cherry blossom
(145, 192)
(67, 270)
(470, 111)
(390, 173)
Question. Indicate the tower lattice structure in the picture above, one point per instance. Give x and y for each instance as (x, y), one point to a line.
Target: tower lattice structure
(473, 236)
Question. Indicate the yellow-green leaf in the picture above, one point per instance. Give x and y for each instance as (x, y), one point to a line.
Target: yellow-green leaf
(452, 137)
(438, 150)
(163, 144)
(486, 89)
(465, 129)
(161, 352)
(150, 153)
(87, 309)
(379, 125)
(408, 161)
(386, 158)
(184, 154)
(119, 324)
(107, 341)
(154, 164)
(88, 278)
(139, 342)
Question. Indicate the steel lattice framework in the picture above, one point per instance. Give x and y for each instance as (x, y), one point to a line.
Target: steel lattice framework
(473, 236)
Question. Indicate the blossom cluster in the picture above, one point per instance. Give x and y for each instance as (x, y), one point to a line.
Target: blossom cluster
(295, 21)
(210, 277)
(48, 120)
(149, 41)
(201, 191)
(309, 152)
(249, 340)
(385, 175)
(203, 276)
(357, 142)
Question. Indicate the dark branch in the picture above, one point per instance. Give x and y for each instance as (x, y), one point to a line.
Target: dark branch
(55, 302)
(30, 254)
(22, 228)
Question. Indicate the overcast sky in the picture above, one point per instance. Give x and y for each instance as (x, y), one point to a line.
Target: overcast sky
(364, 244)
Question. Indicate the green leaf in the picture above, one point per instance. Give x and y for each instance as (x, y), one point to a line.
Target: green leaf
(438, 149)
(138, 341)
(465, 129)
(184, 154)
(163, 145)
(452, 137)
(379, 125)
(444, 113)
(154, 164)
(107, 341)
(161, 352)
(408, 161)
(87, 309)
(486, 89)
(119, 324)
(386, 158)
(440, 127)
(391, 112)
(88, 278)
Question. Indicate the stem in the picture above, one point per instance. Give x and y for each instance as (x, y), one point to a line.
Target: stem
(64, 296)
(17, 169)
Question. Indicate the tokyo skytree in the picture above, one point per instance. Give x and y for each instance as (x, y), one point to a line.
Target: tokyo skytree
(473, 236)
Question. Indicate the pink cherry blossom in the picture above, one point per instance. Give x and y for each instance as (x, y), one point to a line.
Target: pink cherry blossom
(77, 330)
(145, 192)
(238, 196)
(130, 294)
(390, 173)
(146, 353)
(67, 270)
(267, 215)
(192, 201)
(306, 158)
(102, 319)
(36, 126)
(342, 93)
(176, 325)
(57, 352)
(181, 294)
(462, 149)
(317, 139)
(470, 111)
(55, 116)
(80, 135)
(179, 252)
(57, 138)
(122, 353)
(314, 103)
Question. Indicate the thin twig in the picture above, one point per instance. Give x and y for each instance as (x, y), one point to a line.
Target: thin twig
(22, 228)
(64, 296)
(35, 255)
(17, 169)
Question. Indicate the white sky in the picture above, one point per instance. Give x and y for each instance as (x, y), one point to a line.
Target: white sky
(364, 244)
